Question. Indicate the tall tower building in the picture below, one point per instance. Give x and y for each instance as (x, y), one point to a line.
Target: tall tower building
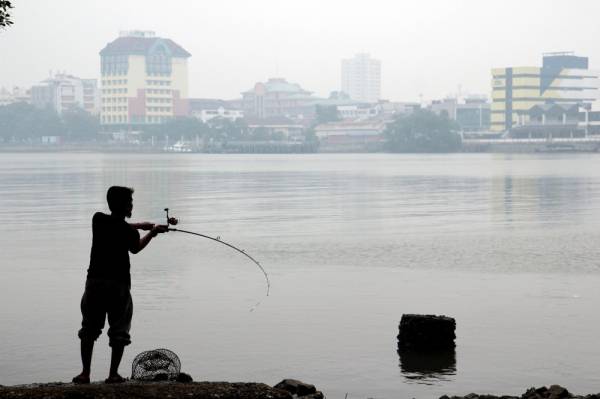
(144, 80)
(361, 78)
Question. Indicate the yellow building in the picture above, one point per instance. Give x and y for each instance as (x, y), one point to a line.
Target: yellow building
(144, 80)
(563, 79)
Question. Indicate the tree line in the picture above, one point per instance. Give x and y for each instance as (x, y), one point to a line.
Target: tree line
(23, 122)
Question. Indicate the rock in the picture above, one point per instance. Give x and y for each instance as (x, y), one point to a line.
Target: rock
(144, 390)
(299, 389)
(558, 392)
(554, 392)
(426, 332)
(184, 378)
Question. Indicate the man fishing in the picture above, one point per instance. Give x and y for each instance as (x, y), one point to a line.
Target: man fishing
(108, 283)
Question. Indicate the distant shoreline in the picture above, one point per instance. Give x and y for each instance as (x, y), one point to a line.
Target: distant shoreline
(129, 149)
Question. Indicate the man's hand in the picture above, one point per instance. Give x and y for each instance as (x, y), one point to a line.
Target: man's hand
(155, 229)
(143, 226)
(159, 228)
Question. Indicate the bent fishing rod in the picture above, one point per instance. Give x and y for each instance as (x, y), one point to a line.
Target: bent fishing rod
(173, 221)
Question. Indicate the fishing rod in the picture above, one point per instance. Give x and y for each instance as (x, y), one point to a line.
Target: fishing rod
(173, 221)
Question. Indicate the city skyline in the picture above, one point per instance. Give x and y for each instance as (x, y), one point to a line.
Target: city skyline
(424, 54)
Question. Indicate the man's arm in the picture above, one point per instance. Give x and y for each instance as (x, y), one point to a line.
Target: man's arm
(142, 225)
(157, 229)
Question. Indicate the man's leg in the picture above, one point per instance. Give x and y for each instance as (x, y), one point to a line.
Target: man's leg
(115, 361)
(93, 316)
(119, 320)
(87, 348)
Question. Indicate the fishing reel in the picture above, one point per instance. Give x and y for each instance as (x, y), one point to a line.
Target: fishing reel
(171, 221)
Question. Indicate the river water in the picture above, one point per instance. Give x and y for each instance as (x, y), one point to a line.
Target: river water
(505, 244)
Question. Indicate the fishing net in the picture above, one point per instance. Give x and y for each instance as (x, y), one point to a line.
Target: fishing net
(157, 364)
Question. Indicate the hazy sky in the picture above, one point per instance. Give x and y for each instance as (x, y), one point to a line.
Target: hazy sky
(427, 47)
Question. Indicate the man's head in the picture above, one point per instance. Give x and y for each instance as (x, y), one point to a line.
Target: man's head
(120, 200)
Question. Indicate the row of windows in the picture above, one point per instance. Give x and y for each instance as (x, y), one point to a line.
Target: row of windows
(114, 73)
(158, 74)
(134, 119)
(158, 91)
(114, 65)
(114, 100)
(113, 109)
(158, 82)
(114, 91)
(109, 82)
(159, 109)
(158, 100)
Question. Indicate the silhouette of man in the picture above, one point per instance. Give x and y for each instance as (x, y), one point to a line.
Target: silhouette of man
(108, 283)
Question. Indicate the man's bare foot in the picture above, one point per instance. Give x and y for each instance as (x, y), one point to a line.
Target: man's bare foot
(81, 379)
(115, 379)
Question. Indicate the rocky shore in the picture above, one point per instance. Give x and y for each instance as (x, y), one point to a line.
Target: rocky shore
(286, 389)
(554, 392)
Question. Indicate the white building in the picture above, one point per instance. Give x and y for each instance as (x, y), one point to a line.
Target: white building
(17, 95)
(63, 92)
(361, 78)
(207, 109)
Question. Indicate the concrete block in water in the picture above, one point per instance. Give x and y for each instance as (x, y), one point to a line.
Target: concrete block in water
(426, 332)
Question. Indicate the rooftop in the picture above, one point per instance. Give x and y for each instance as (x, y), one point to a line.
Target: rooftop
(141, 45)
(280, 85)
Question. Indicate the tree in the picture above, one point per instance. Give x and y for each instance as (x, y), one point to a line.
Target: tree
(5, 17)
(423, 131)
(80, 124)
(187, 127)
(22, 121)
(223, 128)
(260, 133)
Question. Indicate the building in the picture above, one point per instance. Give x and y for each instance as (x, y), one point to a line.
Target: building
(206, 109)
(472, 113)
(358, 111)
(344, 136)
(278, 97)
(563, 79)
(63, 92)
(361, 78)
(144, 80)
(275, 126)
(17, 95)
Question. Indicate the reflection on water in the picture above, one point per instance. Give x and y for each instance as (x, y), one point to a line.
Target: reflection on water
(427, 368)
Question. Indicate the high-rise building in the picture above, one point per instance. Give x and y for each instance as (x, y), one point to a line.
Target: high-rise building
(361, 78)
(62, 92)
(563, 79)
(144, 80)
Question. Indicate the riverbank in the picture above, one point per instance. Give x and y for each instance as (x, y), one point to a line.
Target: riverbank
(173, 390)
(554, 392)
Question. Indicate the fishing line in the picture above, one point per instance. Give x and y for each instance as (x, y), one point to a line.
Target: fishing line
(173, 221)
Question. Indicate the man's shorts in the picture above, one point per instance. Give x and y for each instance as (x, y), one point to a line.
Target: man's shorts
(106, 298)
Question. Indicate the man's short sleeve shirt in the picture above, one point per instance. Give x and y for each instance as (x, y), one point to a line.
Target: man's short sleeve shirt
(112, 239)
